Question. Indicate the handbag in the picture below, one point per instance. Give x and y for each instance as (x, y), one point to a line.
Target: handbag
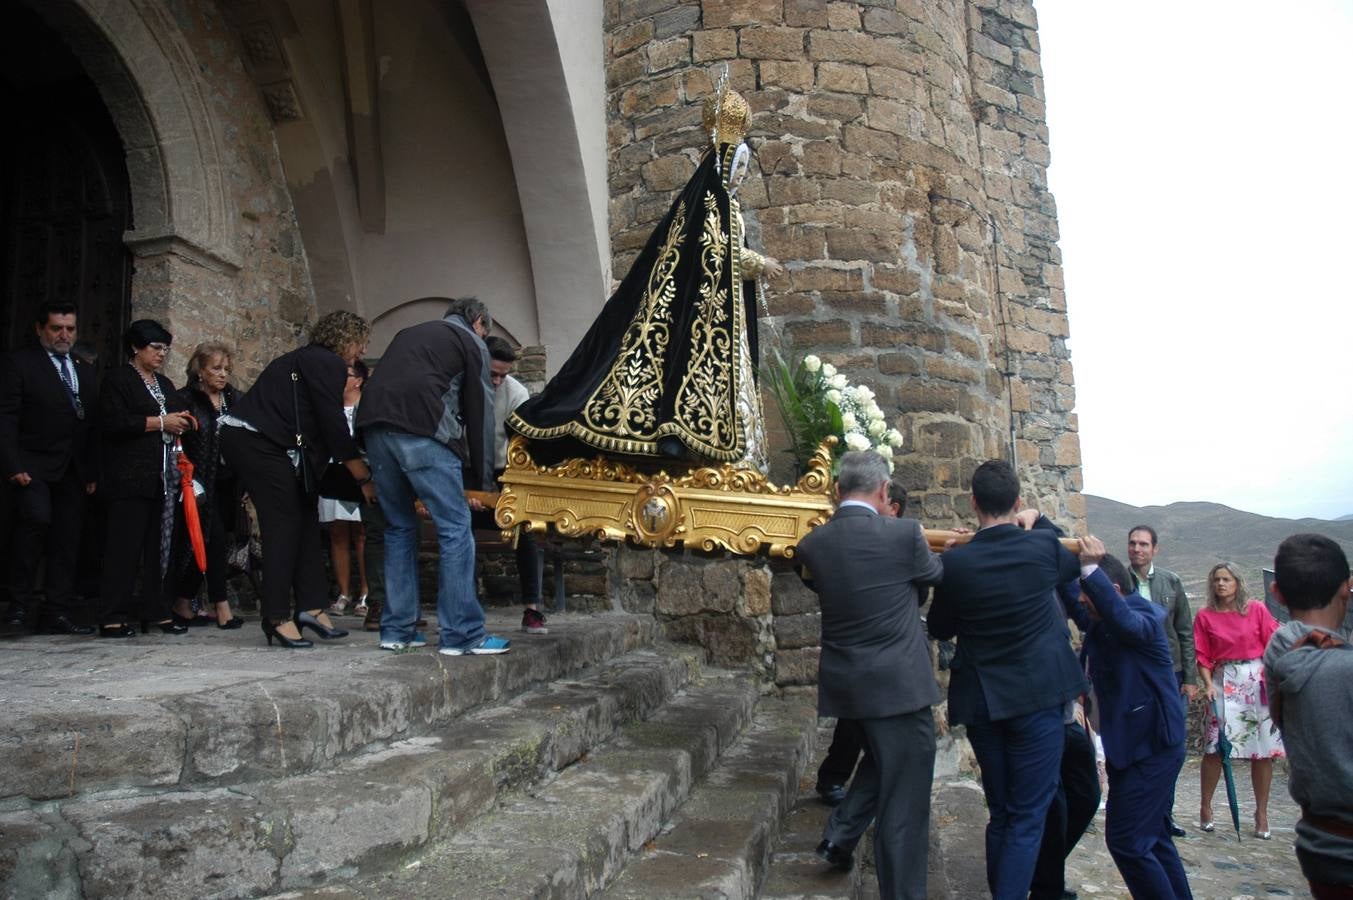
(305, 471)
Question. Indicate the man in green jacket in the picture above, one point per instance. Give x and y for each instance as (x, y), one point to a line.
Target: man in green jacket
(1163, 588)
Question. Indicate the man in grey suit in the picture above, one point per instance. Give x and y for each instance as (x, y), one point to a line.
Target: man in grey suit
(866, 568)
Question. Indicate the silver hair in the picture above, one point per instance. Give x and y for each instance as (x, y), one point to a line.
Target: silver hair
(862, 471)
(469, 309)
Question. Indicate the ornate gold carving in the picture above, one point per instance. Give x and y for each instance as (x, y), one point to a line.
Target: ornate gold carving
(710, 508)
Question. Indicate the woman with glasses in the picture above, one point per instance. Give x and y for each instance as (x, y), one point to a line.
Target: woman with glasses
(140, 416)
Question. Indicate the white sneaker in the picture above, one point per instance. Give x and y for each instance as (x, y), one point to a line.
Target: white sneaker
(417, 641)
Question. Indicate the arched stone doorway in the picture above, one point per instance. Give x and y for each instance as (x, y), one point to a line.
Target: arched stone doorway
(65, 198)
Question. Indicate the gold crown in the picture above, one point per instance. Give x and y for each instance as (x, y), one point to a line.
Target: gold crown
(726, 116)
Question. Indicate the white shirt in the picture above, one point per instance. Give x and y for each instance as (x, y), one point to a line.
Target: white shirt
(860, 503)
(506, 397)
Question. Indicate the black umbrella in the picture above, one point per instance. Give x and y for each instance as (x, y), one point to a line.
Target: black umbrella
(1224, 751)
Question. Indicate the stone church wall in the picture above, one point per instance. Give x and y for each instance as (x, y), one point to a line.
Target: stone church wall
(900, 175)
(253, 293)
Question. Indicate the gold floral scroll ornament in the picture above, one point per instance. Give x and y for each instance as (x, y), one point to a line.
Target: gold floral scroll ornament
(708, 508)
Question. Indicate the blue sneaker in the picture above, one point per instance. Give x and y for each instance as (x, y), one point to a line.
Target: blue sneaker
(418, 640)
(488, 645)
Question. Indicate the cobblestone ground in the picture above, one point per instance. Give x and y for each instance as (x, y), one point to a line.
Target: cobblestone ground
(1219, 866)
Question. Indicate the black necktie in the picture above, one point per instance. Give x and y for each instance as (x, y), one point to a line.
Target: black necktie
(64, 367)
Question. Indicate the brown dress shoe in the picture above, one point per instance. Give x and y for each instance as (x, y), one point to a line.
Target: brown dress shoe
(372, 622)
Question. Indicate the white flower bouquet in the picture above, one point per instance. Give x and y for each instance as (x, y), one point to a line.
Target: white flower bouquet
(815, 400)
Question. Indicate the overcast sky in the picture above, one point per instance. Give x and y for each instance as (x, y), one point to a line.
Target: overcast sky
(1202, 161)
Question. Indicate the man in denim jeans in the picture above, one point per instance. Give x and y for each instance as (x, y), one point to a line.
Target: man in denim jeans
(427, 419)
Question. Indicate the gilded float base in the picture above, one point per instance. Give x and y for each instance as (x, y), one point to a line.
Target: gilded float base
(707, 508)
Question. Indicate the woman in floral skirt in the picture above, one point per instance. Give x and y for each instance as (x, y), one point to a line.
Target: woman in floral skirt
(1229, 639)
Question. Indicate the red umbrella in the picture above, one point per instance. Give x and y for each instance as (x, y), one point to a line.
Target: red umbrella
(191, 522)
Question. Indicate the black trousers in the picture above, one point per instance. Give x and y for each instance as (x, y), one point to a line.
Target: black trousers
(848, 742)
(1073, 809)
(530, 562)
(132, 549)
(48, 523)
(293, 558)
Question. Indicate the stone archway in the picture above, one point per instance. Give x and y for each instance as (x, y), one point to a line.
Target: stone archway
(140, 62)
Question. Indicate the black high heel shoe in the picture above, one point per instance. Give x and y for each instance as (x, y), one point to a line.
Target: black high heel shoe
(172, 627)
(306, 620)
(231, 623)
(270, 632)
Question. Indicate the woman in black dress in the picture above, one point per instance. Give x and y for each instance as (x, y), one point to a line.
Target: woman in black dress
(208, 395)
(297, 400)
(140, 415)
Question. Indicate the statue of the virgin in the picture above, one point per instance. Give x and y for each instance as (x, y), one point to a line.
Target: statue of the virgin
(669, 368)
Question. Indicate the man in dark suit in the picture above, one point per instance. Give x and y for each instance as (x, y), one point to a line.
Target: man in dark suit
(47, 455)
(847, 739)
(866, 567)
(1014, 672)
(1141, 720)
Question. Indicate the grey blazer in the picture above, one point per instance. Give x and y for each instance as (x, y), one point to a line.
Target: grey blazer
(866, 570)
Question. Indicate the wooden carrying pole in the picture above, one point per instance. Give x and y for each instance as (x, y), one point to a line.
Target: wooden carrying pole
(937, 539)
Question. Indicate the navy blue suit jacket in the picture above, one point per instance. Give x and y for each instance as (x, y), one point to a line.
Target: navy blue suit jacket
(998, 598)
(1141, 711)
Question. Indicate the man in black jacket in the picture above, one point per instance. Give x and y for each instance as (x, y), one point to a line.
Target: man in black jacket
(47, 455)
(1014, 671)
(427, 418)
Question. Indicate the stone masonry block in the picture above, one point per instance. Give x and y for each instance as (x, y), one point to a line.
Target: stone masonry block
(795, 632)
(759, 42)
(796, 666)
(790, 596)
(710, 45)
(725, 13)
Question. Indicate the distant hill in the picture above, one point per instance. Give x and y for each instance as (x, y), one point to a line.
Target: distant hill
(1196, 536)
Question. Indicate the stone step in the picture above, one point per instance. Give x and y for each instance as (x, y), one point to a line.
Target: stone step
(220, 709)
(572, 835)
(365, 813)
(719, 842)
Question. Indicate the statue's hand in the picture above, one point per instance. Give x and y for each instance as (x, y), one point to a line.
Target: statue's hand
(771, 267)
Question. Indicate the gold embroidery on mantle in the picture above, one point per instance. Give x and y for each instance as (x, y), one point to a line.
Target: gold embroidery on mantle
(704, 402)
(708, 508)
(626, 401)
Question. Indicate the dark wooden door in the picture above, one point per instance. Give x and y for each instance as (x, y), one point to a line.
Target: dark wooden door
(65, 201)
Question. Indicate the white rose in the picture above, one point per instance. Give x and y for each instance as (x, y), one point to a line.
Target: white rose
(828, 370)
(834, 396)
(884, 450)
(894, 437)
(864, 392)
(848, 421)
(812, 363)
(856, 441)
(876, 428)
(872, 412)
(837, 381)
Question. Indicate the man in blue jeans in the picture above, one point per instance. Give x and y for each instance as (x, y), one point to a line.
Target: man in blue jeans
(427, 419)
(1014, 671)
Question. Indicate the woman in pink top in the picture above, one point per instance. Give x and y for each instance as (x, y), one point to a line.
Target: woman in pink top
(1229, 638)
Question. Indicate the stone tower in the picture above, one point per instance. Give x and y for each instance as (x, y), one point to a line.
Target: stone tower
(900, 175)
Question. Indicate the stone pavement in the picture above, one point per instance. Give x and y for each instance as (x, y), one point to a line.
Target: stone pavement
(1218, 864)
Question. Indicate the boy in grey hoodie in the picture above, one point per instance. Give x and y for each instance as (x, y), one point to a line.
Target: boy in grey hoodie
(1309, 669)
